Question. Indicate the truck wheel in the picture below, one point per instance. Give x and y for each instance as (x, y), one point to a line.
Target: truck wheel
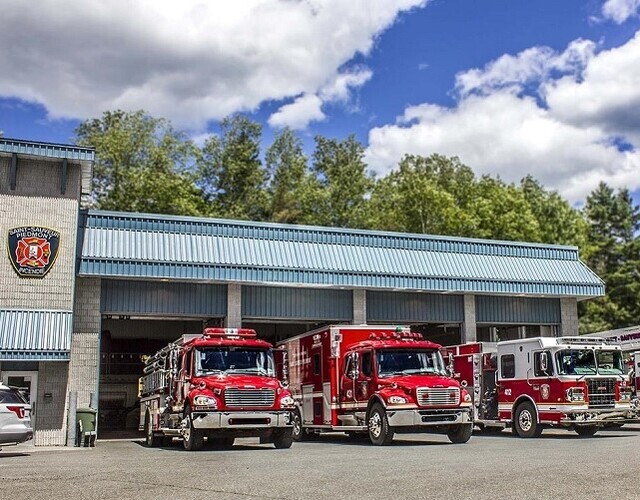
(526, 421)
(192, 438)
(380, 432)
(459, 434)
(283, 438)
(298, 431)
(586, 430)
(151, 439)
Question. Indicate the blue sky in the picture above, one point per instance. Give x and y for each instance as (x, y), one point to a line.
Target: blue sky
(514, 87)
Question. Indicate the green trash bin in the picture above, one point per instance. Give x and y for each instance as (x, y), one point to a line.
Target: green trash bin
(86, 427)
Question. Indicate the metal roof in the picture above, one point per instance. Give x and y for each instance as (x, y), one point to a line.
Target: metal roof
(46, 149)
(35, 335)
(156, 246)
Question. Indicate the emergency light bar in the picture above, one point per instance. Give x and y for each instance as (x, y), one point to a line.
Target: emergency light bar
(399, 334)
(229, 332)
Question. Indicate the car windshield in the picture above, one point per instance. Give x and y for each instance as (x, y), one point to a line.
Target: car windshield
(409, 362)
(576, 362)
(234, 360)
(609, 362)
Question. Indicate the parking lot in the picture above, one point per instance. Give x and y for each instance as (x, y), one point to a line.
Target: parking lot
(558, 465)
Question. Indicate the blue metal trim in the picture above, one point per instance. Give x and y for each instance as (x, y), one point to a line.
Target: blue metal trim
(46, 149)
(35, 355)
(37, 331)
(323, 235)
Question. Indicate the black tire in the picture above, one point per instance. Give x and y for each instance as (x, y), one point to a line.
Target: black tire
(460, 434)
(192, 438)
(298, 431)
(380, 432)
(586, 430)
(525, 421)
(167, 441)
(283, 438)
(151, 439)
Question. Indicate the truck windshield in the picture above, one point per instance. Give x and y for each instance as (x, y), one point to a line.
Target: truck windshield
(409, 362)
(610, 362)
(576, 362)
(234, 360)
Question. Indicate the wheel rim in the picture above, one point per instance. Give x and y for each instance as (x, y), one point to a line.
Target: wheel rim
(297, 425)
(525, 420)
(375, 424)
(186, 428)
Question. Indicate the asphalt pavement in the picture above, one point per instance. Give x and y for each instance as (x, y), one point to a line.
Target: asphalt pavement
(559, 465)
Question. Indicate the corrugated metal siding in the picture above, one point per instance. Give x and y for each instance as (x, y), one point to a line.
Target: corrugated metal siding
(131, 245)
(401, 307)
(296, 303)
(127, 297)
(35, 334)
(45, 149)
(517, 310)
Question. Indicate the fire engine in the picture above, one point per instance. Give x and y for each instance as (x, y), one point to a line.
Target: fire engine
(578, 383)
(218, 385)
(375, 380)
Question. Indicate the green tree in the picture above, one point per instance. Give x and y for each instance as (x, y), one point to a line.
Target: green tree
(558, 221)
(142, 164)
(343, 184)
(425, 195)
(231, 173)
(292, 187)
(614, 254)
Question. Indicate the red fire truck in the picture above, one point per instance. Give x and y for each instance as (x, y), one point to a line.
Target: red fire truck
(219, 385)
(373, 379)
(578, 383)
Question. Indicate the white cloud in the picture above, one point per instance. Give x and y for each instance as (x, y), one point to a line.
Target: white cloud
(299, 113)
(620, 10)
(557, 116)
(308, 107)
(190, 61)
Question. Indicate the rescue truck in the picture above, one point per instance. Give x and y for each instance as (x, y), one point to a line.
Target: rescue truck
(578, 383)
(375, 380)
(218, 385)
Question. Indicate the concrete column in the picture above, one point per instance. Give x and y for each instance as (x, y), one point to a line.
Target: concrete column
(568, 316)
(469, 333)
(359, 306)
(234, 306)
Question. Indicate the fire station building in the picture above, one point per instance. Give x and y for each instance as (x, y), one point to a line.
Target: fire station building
(85, 293)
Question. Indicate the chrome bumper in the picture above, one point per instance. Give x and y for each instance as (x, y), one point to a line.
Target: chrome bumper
(594, 416)
(427, 418)
(241, 420)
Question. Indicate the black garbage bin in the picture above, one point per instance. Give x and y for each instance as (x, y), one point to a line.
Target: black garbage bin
(86, 427)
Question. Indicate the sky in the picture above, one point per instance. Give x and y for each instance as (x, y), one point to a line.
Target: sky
(549, 88)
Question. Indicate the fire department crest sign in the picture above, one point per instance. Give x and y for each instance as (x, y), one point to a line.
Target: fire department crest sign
(33, 250)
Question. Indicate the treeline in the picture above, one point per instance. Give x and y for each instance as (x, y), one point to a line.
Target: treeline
(145, 165)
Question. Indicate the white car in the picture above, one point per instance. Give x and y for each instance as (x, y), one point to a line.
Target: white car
(15, 417)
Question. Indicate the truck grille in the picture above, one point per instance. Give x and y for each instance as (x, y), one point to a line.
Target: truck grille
(249, 397)
(601, 392)
(438, 396)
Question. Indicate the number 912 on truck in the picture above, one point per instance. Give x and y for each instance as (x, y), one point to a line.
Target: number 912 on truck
(375, 381)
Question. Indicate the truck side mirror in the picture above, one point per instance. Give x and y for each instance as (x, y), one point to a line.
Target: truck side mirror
(544, 363)
(355, 371)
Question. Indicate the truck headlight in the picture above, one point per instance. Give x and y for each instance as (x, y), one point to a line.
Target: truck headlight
(205, 401)
(287, 401)
(396, 400)
(575, 394)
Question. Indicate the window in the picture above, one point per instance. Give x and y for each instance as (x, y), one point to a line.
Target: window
(348, 366)
(316, 364)
(366, 364)
(508, 366)
(539, 360)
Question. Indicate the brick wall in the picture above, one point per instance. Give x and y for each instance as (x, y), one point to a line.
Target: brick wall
(569, 316)
(50, 416)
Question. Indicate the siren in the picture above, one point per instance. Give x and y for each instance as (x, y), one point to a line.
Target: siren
(230, 332)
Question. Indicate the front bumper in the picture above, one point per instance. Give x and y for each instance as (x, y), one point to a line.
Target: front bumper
(241, 419)
(577, 417)
(428, 418)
